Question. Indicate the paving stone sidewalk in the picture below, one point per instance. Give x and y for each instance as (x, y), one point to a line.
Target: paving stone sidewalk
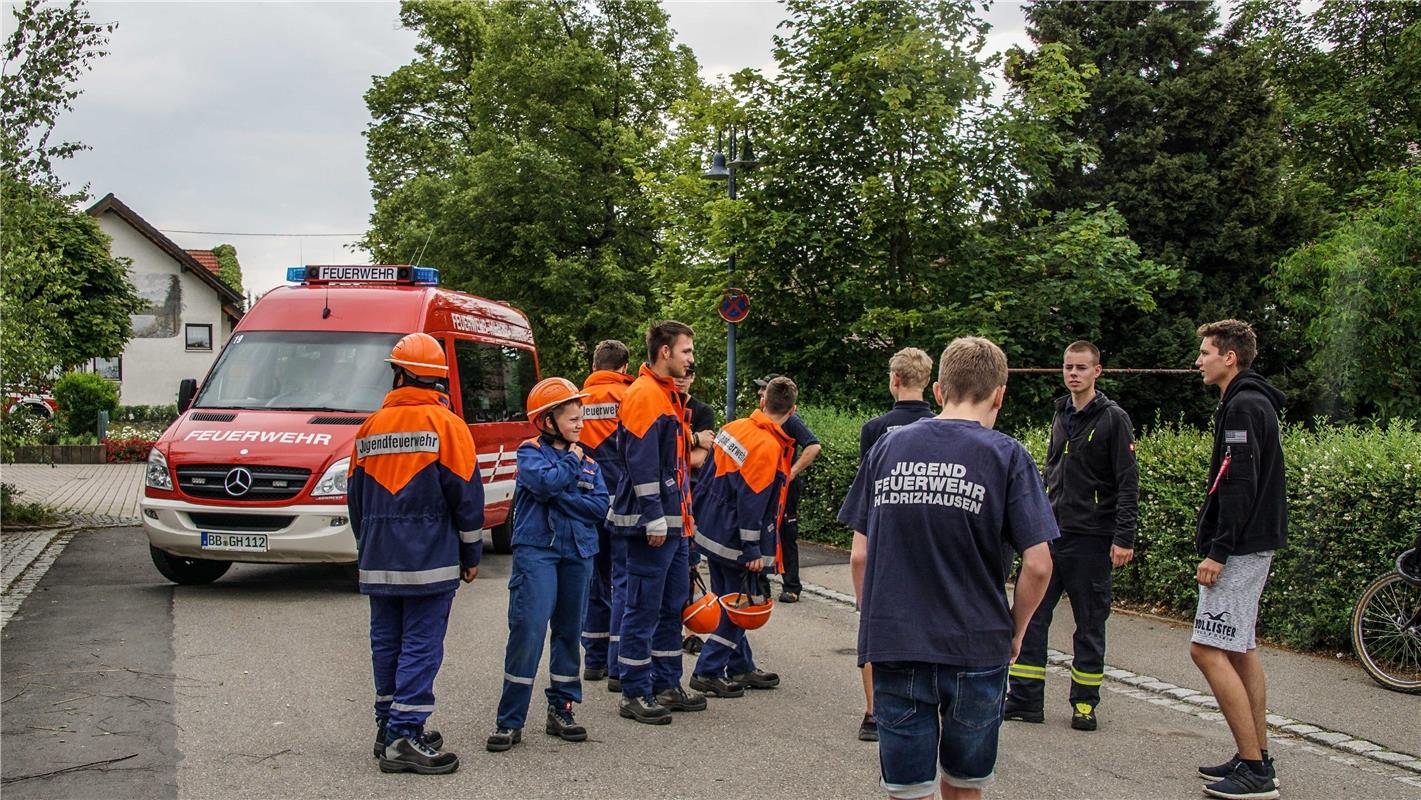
(88, 494)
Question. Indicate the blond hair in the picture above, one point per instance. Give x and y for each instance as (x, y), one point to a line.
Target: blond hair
(913, 367)
(971, 369)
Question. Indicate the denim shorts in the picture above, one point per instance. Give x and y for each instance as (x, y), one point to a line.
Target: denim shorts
(936, 720)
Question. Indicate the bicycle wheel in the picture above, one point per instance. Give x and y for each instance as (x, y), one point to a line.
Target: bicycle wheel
(1386, 633)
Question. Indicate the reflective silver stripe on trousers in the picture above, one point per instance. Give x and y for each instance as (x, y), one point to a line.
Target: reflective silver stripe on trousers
(515, 679)
(666, 653)
(676, 522)
(562, 678)
(646, 489)
(721, 640)
(615, 638)
(624, 520)
(408, 707)
(633, 662)
(469, 537)
(712, 546)
(596, 635)
(395, 577)
(384, 698)
(747, 535)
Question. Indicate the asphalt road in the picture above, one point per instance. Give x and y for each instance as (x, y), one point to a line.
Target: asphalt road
(258, 686)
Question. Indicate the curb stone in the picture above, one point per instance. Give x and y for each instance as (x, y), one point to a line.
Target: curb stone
(1200, 704)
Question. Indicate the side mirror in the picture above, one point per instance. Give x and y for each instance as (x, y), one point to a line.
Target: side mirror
(187, 390)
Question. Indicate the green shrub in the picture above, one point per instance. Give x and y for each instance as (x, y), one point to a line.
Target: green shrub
(1354, 503)
(81, 396)
(14, 512)
(160, 416)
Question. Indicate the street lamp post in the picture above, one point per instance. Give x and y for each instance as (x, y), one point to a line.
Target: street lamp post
(741, 156)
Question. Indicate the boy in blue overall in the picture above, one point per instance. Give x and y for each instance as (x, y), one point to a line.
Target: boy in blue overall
(560, 498)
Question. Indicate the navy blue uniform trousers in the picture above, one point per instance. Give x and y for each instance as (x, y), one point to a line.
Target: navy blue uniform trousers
(406, 649)
(547, 587)
(657, 583)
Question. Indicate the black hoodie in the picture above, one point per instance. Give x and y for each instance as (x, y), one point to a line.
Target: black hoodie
(1091, 474)
(1246, 505)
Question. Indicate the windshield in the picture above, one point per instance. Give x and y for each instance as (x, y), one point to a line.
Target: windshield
(301, 370)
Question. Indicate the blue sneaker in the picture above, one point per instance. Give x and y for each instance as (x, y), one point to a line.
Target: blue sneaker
(1244, 784)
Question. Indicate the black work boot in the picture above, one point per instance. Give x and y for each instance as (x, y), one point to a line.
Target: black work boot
(759, 679)
(645, 710)
(678, 699)
(1022, 712)
(614, 686)
(503, 739)
(716, 686)
(412, 754)
(562, 724)
(1083, 717)
(431, 738)
(594, 674)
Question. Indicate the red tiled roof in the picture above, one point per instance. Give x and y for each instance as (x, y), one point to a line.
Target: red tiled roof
(207, 259)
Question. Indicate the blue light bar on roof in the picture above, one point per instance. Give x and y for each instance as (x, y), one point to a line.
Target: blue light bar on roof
(398, 274)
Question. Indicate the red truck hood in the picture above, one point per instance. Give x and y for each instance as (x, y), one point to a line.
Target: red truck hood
(273, 438)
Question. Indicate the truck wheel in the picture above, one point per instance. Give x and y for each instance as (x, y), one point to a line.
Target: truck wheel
(188, 571)
(502, 538)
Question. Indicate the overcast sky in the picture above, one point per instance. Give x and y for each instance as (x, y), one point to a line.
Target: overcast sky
(247, 117)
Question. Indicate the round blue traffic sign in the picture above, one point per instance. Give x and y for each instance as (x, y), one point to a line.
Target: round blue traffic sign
(734, 305)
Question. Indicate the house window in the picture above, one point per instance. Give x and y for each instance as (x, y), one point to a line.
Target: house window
(110, 368)
(199, 337)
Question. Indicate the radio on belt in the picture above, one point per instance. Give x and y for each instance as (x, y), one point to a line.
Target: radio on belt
(398, 274)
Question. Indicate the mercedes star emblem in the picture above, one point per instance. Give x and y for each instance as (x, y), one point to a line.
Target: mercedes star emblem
(239, 481)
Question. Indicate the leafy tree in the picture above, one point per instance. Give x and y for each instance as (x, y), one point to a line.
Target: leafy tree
(1190, 153)
(49, 48)
(509, 153)
(1354, 297)
(890, 208)
(229, 269)
(1348, 78)
(63, 296)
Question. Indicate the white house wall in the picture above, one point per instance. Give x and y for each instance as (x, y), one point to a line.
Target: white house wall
(153, 366)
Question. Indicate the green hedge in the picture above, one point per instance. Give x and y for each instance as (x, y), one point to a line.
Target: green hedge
(81, 396)
(1354, 503)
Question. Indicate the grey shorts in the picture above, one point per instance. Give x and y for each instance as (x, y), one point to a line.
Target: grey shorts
(1227, 614)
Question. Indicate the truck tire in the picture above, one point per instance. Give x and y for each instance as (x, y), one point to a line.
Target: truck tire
(188, 571)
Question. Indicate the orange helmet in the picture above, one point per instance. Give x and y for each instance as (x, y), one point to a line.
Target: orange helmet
(744, 611)
(420, 354)
(549, 394)
(702, 614)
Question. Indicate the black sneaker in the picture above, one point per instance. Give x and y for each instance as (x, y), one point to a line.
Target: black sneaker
(562, 725)
(868, 730)
(645, 710)
(594, 674)
(788, 597)
(1226, 769)
(412, 754)
(503, 739)
(692, 644)
(1083, 717)
(678, 699)
(716, 686)
(759, 679)
(431, 738)
(614, 685)
(1244, 784)
(1021, 712)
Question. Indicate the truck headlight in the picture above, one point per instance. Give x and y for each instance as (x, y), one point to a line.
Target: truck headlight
(157, 476)
(333, 482)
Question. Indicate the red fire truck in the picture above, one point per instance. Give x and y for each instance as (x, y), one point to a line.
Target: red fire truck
(254, 468)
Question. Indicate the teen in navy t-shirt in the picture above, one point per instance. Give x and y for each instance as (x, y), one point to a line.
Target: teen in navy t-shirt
(940, 502)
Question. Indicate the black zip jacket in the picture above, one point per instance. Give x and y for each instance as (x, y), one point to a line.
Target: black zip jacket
(904, 412)
(1245, 505)
(1091, 475)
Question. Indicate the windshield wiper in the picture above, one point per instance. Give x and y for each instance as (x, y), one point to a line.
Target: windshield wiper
(316, 408)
